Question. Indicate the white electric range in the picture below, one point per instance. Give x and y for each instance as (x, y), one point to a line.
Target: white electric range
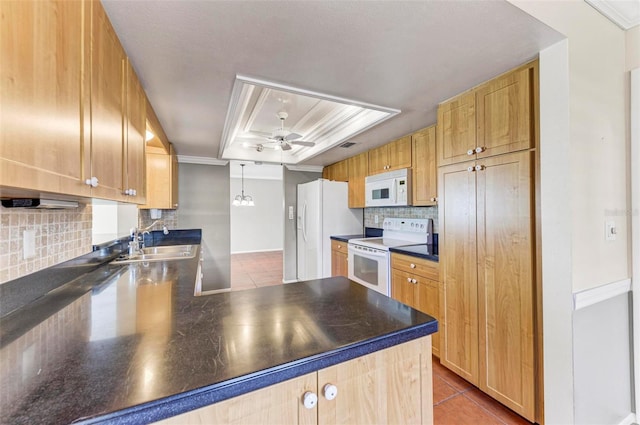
(369, 258)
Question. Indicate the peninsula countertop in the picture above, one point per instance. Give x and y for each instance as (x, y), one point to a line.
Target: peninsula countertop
(132, 343)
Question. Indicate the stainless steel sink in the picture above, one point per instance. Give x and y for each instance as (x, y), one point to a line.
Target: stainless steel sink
(159, 253)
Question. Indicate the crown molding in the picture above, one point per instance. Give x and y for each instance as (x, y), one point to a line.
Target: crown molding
(203, 160)
(307, 168)
(620, 13)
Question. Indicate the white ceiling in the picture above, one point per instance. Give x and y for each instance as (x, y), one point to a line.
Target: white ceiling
(406, 55)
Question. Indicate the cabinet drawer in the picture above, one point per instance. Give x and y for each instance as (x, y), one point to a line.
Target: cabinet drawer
(339, 246)
(416, 265)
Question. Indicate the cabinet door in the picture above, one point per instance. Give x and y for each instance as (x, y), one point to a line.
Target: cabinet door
(399, 154)
(42, 102)
(505, 281)
(107, 101)
(136, 129)
(358, 169)
(425, 170)
(456, 129)
(339, 263)
(158, 181)
(338, 171)
(428, 301)
(391, 386)
(505, 114)
(378, 160)
(402, 289)
(458, 270)
(174, 178)
(277, 404)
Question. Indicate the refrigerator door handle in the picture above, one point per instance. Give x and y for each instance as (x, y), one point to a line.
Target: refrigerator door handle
(304, 221)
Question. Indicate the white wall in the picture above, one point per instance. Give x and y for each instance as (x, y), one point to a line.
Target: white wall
(583, 151)
(257, 228)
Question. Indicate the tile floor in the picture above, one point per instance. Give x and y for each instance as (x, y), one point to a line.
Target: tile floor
(455, 401)
(256, 269)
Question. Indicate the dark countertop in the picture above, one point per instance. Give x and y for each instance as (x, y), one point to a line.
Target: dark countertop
(131, 344)
(428, 252)
(345, 238)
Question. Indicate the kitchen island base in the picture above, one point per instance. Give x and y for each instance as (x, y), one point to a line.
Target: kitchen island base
(390, 386)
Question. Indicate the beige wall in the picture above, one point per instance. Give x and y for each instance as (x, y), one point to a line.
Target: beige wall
(633, 48)
(597, 175)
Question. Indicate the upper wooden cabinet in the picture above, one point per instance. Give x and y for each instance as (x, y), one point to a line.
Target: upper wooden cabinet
(134, 161)
(492, 119)
(425, 169)
(108, 94)
(72, 124)
(162, 179)
(338, 171)
(358, 170)
(392, 156)
(44, 103)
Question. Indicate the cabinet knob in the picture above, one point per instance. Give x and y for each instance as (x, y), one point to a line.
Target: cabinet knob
(414, 281)
(480, 149)
(175, 205)
(330, 391)
(480, 167)
(409, 279)
(309, 400)
(135, 192)
(413, 266)
(470, 152)
(93, 182)
(434, 199)
(339, 246)
(471, 169)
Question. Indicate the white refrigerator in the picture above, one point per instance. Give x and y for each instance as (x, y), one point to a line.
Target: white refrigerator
(322, 212)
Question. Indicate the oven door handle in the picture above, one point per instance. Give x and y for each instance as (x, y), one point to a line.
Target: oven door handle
(368, 254)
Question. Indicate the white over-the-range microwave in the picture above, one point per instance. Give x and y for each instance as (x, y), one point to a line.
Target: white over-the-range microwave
(390, 189)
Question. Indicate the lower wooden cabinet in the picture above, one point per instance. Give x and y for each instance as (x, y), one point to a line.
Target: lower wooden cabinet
(339, 258)
(414, 282)
(390, 386)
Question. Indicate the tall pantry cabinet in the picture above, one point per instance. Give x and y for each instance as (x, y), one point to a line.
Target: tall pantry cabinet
(487, 239)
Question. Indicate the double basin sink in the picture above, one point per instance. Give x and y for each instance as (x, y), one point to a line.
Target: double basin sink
(159, 253)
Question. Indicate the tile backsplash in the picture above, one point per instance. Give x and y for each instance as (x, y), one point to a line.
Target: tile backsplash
(60, 235)
(399, 212)
(170, 218)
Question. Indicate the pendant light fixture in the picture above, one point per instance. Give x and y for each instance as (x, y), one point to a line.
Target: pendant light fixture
(243, 200)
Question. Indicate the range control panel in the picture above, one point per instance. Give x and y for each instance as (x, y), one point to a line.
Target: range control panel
(412, 225)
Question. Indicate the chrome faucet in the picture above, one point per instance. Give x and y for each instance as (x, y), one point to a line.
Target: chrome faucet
(137, 237)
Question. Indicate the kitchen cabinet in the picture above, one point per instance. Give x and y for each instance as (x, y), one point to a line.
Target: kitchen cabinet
(358, 170)
(338, 171)
(134, 141)
(391, 386)
(339, 258)
(44, 103)
(415, 282)
(162, 179)
(487, 268)
(108, 88)
(392, 156)
(494, 118)
(425, 171)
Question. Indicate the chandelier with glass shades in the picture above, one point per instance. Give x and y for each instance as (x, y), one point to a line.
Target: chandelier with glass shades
(243, 200)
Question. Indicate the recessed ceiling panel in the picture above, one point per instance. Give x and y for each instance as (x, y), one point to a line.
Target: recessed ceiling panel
(275, 123)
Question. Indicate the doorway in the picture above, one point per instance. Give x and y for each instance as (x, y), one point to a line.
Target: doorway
(256, 230)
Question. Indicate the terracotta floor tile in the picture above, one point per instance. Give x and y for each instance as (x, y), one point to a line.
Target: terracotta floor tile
(442, 390)
(460, 410)
(503, 413)
(451, 378)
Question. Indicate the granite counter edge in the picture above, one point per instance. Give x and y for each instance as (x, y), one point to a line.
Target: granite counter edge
(201, 397)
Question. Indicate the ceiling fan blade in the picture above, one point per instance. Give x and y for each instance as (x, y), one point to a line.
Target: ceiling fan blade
(292, 136)
(302, 143)
(285, 146)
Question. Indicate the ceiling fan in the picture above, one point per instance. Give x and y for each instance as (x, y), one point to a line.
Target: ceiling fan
(282, 138)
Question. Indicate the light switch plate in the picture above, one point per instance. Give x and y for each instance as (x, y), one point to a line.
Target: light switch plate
(290, 212)
(610, 229)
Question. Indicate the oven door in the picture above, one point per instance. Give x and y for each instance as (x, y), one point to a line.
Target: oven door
(369, 267)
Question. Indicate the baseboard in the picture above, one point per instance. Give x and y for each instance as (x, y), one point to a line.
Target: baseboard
(629, 420)
(256, 252)
(289, 281)
(601, 293)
